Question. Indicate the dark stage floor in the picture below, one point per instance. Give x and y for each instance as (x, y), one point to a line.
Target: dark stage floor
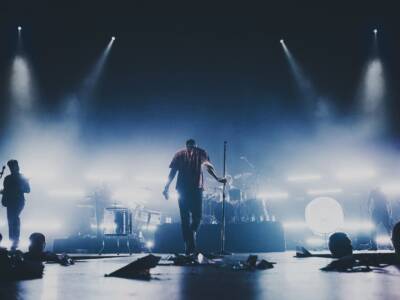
(292, 278)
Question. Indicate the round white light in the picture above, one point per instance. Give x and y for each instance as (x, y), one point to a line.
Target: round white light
(324, 215)
(281, 41)
(375, 31)
(113, 38)
(19, 28)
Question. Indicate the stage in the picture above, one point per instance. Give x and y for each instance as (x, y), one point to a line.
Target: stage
(291, 278)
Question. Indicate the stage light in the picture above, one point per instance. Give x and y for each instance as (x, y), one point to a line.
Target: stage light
(273, 195)
(355, 174)
(304, 84)
(102, 176)
(315, 242)
(294, 225)
(304, 177)
(159, 180)
(383, 240)
(23, 244)
(66, 193)
(22, 90)
(134, 193)
(281, 41)
(93, 77)
(375, 31)
(358, 226)
(328, 191)
(113, 38)
(391, 188)
(373, 87)
(372, 94)
(19, 28)
(324, 215)
(41, 226)
(149, 244)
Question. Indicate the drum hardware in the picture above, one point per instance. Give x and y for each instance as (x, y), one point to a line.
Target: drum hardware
(117, 222)
(223, 220)
(238, 208)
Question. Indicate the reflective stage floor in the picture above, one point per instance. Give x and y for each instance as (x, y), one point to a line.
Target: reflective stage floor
(291, 278)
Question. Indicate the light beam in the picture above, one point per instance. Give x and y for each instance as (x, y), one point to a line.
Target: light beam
(304, 84)
(372, 93)
(93, 77)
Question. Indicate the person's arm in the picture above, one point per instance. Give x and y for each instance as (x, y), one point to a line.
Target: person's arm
(171, 177)
(211, 171)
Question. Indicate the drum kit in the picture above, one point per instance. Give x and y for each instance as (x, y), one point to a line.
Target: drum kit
(103, 219)
(242, 204)
(236, 201)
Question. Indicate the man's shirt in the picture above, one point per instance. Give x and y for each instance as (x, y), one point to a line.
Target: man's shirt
(15, 185)
(189, 166)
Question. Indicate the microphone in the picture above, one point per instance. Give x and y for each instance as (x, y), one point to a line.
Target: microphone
(2, 171)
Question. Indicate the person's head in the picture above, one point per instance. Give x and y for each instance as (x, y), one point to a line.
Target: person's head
(37, 242)
(340, 245)
(190, 144)
(396, 238)
(13, 166)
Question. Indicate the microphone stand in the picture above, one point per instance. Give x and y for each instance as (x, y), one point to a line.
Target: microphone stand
(223, 221)
(2, 171)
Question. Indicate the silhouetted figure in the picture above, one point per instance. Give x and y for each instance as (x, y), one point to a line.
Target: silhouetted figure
(36, 251)
(188, 164)
(1, 248)
(13, 266)
(396, 238)
(380, 213)
(341, 248)
(340, 245)
(15, 186)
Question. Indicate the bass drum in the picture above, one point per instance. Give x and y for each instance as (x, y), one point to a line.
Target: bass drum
(230, 212)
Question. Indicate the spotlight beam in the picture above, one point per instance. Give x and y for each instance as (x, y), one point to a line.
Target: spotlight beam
(304, 84)
(19, 43)
(93, 77)
(22, 87)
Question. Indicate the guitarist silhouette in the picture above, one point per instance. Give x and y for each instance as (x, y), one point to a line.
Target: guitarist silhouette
(15, 186)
